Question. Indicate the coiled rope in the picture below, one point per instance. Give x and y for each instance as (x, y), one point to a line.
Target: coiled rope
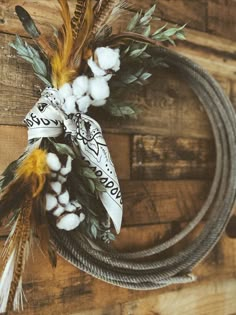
(131, 270)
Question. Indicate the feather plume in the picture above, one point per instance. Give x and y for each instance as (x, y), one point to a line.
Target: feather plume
(20, 196)
(103, 13)
(78, 18)
(68, 57)
(31, 28)
(61, 70)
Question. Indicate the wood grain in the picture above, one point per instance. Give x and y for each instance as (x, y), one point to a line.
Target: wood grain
(66, 290)
(147, 202)
(13, 141)
(172, 158)
(171, 140)
(221, 18)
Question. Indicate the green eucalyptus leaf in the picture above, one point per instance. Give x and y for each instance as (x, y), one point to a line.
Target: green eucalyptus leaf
(133, 22)
(180, 36)
(43, 79)
(94, 231)
(159, 30)
(145, 76)
(88, 172)
(63, 149)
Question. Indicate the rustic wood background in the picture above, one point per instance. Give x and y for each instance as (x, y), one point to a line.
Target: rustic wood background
(165, 160)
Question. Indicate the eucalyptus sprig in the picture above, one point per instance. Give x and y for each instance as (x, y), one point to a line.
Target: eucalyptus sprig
(31, 55)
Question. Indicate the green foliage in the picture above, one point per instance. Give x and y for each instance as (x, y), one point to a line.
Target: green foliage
(31, 55)
(117, 108)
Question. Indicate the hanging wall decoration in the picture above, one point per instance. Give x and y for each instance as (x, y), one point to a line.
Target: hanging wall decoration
(63, 192)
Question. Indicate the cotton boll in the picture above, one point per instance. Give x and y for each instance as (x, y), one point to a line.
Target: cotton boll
(80, 86)
(98, 72)
(56, 187)
(70, 207)
(98, 88)
(65, 170)
(65, 91)
(107, 77)
(51, 202)
(61, 179)
(68, 222)
(99, 103)
(82, 217)
(59, 210)
(76, 204)
(107, 57)
(116, 66)
(64, 198)
(69, 106)
(53, 162)
(84, 103)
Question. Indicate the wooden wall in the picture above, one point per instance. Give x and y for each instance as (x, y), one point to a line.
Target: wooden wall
(165, 160)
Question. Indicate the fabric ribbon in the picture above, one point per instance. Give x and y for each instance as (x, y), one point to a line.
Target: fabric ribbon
(46, 119)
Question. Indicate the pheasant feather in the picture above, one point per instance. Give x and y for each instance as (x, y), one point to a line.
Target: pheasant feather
(20, 196)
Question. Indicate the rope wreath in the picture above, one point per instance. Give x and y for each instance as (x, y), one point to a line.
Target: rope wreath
(130, 270)
(63, 189)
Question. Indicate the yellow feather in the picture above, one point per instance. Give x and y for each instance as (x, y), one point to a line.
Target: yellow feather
(34, 169)
(61, 72)
(67, 60)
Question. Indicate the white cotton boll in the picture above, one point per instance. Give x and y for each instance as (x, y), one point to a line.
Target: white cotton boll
(82, 217)
(51, 202)
(56, 187)
(116, 66)
(53, 162)
(68, 222)
(64, 198)
(69, 106)
(76, 204)
(107, 57)
(98, 72)
(59, 210)
(80, 86)
(61, 179)
(84, 103)
(99, 103)
(65, 170)
(65, 91)
(70, 207)
(98, 88)
(107, 77)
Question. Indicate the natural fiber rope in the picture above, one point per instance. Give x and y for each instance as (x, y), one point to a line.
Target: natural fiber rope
(129, 270)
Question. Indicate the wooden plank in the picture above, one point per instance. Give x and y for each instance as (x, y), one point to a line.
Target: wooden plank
(193, 12)
(13, 141)
(221, 18)
(169, 107)
(156, 157)
(147, 202)
(70, 291)
(176, 11)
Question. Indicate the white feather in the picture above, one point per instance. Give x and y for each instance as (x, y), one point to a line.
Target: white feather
(5, 282)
